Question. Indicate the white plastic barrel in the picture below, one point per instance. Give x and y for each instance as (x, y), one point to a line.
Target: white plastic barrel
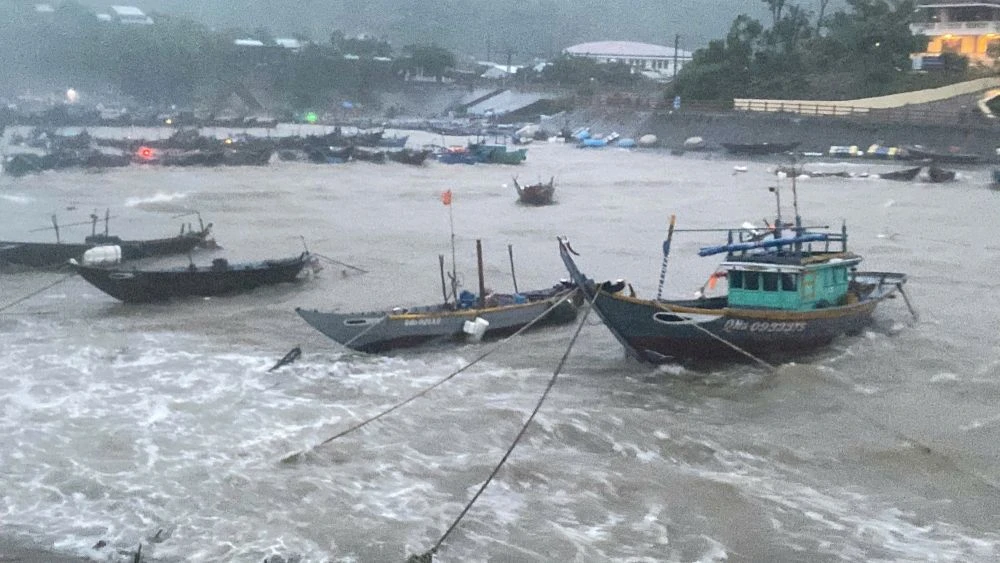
(476, 328)
(103, 256)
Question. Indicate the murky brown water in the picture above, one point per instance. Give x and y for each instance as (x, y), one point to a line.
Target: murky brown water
(122, 420)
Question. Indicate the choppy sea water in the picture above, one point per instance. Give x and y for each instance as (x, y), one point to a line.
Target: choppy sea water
(122, 421)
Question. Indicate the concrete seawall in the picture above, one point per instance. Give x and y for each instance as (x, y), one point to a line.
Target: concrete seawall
(814, 133)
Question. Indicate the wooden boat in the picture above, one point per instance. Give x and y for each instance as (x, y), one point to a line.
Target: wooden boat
(789, 290)
(918, 152)
(415, 157)
(905, 175)
(759, 148)
(466, 317)
(498, 315)
(46, 254)
(368, 155)
(938, 175)
(221, 278)
(497, 153)
(536, 194)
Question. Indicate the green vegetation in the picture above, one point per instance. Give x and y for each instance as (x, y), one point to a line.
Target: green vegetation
(861, 52)
(178, 61)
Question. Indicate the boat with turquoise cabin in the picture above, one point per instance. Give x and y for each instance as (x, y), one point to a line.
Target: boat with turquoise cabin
(790, 289)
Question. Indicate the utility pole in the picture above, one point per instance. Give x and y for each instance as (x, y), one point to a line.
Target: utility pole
(677, 42)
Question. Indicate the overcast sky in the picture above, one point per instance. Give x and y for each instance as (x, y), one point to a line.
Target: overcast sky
(697, 21)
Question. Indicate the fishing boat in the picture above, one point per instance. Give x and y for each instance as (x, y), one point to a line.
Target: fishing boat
(50, 254)
(540, 193)
(759, 148)
(415, 157)
(497, 153)
(133, 285)
(471, 319)
(919, 152)
(905, 175)
(790, 289)
(937, 175)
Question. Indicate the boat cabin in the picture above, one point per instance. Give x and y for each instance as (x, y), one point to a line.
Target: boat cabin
(788, 272)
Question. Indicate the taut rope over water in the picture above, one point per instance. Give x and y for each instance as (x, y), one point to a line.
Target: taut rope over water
(428, 555)
(292, 457)
(34, 293)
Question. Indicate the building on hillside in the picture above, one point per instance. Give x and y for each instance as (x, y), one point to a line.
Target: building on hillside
(496, 71)
(130, 15)
(965, 27)
(653, 61)
(289, 43)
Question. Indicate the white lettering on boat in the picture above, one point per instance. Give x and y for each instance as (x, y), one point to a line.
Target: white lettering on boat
(737, 325)
(421, 322)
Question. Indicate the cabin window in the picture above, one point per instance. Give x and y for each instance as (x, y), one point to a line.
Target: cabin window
(770, 280)
(751, 280)
(788, 282)
(736, 279)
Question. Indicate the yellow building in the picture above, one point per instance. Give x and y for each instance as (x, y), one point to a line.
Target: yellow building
(965, 27)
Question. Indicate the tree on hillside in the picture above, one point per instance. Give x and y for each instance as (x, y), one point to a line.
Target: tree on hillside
(430, 60)
(871, 41)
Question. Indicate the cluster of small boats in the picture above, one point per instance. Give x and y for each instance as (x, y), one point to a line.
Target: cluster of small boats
(926, 173)
(43, 150)
(788, 289)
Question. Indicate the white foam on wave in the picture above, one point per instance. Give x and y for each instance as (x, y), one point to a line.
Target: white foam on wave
(158, 197)
(850, 522)
(15, 198)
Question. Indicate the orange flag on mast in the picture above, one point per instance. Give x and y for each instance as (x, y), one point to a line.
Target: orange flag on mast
(446, 197)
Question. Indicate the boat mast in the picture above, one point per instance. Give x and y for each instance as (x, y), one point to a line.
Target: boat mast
(666, 254)
(454, 268)
(777, 222)
(510, 252)
(479, 268)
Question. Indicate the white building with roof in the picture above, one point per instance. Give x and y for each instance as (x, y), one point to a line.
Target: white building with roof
(654, 61)
(130, 15)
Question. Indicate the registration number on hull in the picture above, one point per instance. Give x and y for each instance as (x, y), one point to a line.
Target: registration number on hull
(737, 325)
(421, 322)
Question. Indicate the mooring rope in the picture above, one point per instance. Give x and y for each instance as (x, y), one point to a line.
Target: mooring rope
(365, 331)
(34, 293)
(296, 455)
(734, 346)
(524, 428)
(339, 263)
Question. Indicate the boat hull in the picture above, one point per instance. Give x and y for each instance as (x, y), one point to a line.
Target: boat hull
(387, 330)
(707, 329)
(47, 255)
(145, 286)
